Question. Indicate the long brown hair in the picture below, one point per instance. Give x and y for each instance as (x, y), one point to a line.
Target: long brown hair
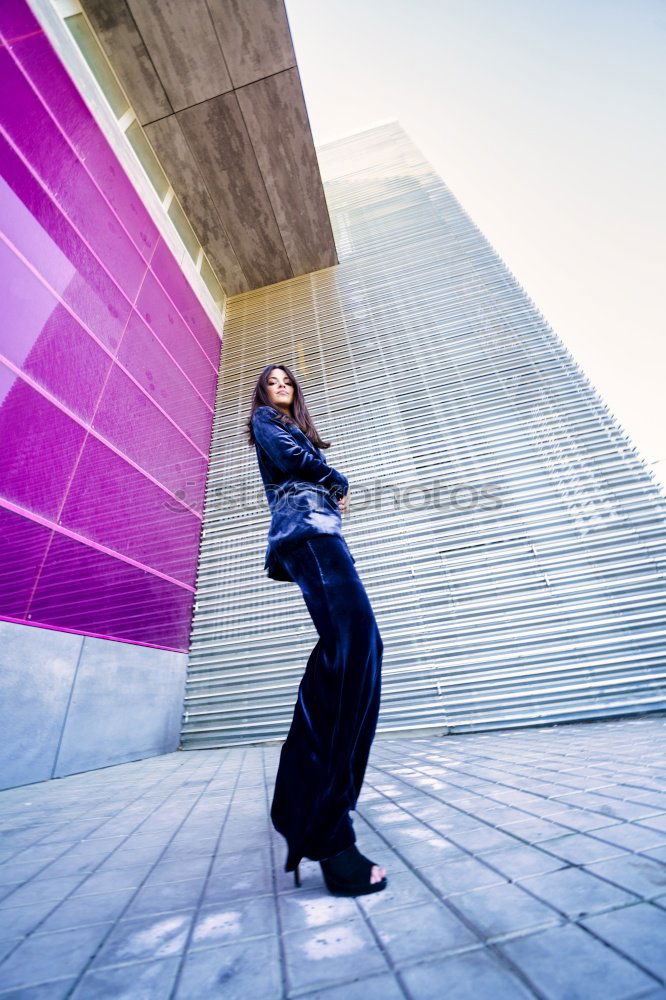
(299, 413)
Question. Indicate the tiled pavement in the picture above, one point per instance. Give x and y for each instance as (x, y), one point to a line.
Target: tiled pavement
(521, 863)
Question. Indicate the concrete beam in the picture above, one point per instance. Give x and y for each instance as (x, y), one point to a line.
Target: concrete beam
(217, 89)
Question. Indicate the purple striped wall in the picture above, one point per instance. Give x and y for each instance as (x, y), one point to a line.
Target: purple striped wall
(108, 370)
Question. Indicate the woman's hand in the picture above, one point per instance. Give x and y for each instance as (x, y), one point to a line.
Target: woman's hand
(342, 503)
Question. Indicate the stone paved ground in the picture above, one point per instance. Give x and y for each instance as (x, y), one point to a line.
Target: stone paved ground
(521, 863)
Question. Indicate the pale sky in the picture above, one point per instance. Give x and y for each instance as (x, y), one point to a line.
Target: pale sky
(546, 119)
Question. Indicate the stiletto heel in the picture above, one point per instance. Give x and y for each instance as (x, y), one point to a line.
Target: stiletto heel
(348, 874)
(297, 876)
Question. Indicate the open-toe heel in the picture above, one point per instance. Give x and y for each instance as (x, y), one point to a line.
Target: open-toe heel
(348, 874)
(297, 876)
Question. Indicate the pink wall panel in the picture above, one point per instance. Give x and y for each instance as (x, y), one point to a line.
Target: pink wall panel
(108, 371)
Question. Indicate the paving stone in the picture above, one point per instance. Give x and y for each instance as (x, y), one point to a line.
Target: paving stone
(633, 837)
(461, 876)
(43, 957)
(638, 932)
(233, 921)
(132, 858)
(593, 801)
(152, 843)
(583, 821)
(165, 897)
(79, 911)
(531, 831)
(9, 944)
(521, 862)
(138, 981)
(383, 855)
(14, 873)
(226, 862)
(579, 849)
(499, 815)
(145, 939)
(20, 920)
(434, 851)
(402, 889)
(483, 839)
(517, 797)
(237, 971)
(655, 822)
(457, 822)
(376, 988)
(58, 990)
(429, 810)
(466, 802)
(504, 909)
(323, 955)
(315, 908)
(68, 838)
(576, 892)
(22, 838)
(123, 878)
(659, 853)
(76, 862)
(545, 807)
(178, 871)
(416, 931)
(391, 814)
(648, 797)
(634, 872)
(311, 878)
(472, 976)
(179, 851)
(8, 888)
(590, 970)
(238, 884)
(43, 889)
(414, 833)
(627, 810)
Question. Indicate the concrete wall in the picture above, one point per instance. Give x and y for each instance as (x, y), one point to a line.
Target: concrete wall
(71, 703)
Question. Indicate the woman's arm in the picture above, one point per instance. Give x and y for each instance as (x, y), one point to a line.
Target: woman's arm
(288, 455)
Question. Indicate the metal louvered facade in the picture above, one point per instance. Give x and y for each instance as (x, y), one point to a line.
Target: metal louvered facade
(511, 539)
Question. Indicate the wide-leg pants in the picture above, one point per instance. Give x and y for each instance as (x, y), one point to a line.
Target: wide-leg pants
(324, 757)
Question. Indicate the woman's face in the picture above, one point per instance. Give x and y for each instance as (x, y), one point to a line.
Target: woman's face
(280, 389)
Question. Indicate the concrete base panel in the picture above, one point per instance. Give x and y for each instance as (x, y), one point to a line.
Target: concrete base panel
(71, 703)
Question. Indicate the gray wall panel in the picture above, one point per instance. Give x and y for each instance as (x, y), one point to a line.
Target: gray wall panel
(217, 134)
(175, 155)
(118, 33)
(37, 669)
(70, 703)
(255, 38)
(184, 48)
(126, 704)
(277, 123)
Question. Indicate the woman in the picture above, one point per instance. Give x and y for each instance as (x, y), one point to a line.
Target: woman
(323, 760)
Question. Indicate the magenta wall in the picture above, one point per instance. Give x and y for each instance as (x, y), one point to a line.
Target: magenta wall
(108, 369)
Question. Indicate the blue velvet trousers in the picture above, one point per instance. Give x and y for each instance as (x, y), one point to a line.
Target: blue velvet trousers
(323, 759)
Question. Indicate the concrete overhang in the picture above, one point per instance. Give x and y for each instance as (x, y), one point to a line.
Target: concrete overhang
(215, 85)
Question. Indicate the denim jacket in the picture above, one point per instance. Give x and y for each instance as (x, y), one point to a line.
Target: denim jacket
(301, 488)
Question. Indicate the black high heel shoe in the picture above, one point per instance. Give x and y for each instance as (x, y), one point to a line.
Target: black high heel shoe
(348, 874)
